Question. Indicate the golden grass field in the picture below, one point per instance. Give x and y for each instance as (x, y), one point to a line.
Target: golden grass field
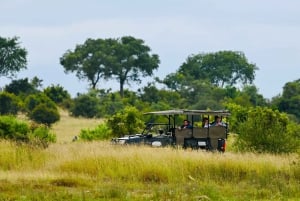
(80, 170)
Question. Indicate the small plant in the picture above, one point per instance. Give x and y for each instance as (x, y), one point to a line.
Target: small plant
(99, 133)
(41, 137)
(13, 129)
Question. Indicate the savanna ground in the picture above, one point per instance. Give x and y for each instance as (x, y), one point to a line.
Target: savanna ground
(100, 171)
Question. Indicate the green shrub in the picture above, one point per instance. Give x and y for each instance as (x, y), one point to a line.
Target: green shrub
(19, 131)
(13, 129)
(101, 132)
(85, 105)
(9, 104)
(44, 115)
(57, 93)
(41, 136)
(265, 130)
(34, 100)
(238, 115)
(127, 121)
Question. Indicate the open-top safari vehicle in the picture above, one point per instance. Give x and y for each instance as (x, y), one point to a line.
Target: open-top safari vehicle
(166, 132)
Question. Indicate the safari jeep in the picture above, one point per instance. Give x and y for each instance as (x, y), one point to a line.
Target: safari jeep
(168, 133)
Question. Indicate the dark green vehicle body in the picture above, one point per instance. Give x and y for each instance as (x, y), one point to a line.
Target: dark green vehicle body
(167, 133)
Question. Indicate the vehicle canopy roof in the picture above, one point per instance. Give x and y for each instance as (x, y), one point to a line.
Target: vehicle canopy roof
(224, 113)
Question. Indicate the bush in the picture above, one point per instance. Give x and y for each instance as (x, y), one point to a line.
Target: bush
(44, 115)
(12, 129)
(19, 131)
(86, 105)
(269, 131)
(57, 94)
(41, 136)
(41, 109)
(127, 121)
(34, 100)
(101, 132)
(9, 104)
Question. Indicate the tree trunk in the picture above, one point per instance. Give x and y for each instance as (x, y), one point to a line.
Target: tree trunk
(122, 88)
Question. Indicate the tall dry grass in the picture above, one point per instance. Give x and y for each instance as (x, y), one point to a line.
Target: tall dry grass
(68, 127)
(101, 171)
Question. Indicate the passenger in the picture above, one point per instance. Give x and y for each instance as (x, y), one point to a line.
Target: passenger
(186, 124)
(205, 123)
(218, 122)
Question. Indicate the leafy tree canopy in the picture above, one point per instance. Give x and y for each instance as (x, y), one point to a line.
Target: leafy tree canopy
(125, 59)
(223, 68)
(290, 100)
(12, 57)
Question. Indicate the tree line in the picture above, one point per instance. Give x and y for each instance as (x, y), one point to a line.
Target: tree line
(214, 80)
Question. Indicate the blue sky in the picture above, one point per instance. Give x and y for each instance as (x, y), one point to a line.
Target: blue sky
(266, 31)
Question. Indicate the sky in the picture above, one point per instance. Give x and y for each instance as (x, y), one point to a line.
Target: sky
(267, 32)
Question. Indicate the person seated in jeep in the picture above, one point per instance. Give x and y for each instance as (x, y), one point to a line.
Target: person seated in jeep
(186, 124)
(218, 122)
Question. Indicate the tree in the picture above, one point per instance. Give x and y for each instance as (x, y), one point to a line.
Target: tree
(57, 93)
(88, 60)
(21, 87)
(124, 59)
(132, 60)
(223, 68)
(290, 100)
(12, 57)
(255, 98)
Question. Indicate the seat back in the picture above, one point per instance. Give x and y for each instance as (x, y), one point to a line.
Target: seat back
(200, 132)
(180, 134)
(215, 133)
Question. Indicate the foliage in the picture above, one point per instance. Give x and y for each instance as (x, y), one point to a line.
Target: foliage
(86, 105)
(238, 115)
(57, 94)
(125, 59)
(9, 104)
(154, 96)
(44, 114)
(41, 136)
(255, 98)
(20, 131)
(13, 129)
(101, 132)
(88, 60)
(265, 130)
(41, 109)
(126, 121)
(223, 68)
(290, 100)
(33, 100)
(21, 87)
(12, 57)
